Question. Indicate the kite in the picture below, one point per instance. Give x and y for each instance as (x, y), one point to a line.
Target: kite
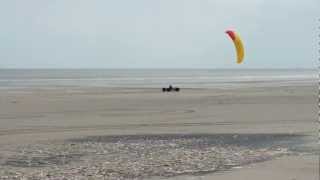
(238, 45)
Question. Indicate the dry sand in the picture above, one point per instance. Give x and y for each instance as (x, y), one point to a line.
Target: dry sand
(48, 118)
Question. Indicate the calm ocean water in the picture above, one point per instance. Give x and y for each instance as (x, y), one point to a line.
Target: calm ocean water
(186, 78)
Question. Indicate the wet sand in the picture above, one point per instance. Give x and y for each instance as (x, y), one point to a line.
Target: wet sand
(48, 118)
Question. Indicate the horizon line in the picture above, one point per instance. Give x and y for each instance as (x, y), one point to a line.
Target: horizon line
(303, 68)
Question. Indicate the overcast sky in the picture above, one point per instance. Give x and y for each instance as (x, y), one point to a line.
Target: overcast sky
(157, 33)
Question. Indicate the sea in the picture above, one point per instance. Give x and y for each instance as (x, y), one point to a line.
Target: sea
(155, 78)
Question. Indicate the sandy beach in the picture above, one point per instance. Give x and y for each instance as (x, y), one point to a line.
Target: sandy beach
(239, 133)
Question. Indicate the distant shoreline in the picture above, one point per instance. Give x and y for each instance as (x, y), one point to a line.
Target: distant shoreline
(148, 78)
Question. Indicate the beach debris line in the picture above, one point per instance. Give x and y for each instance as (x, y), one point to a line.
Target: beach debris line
(171, 89)
(139, 156)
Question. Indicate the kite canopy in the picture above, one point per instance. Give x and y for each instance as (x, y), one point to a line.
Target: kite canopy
(238, 45)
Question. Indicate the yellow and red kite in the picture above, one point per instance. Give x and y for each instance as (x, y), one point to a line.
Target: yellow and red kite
(238, 45)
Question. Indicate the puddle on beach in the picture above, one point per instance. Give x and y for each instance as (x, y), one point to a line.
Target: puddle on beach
(143, 156)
